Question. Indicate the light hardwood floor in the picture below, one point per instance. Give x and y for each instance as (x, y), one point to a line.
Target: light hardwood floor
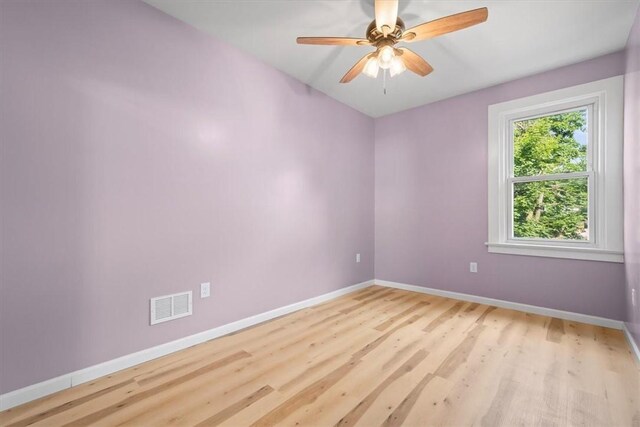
(376, 357)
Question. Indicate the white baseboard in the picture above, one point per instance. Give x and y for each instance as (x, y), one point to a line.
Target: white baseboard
(551, 312)
(632, 343)
(36, 391)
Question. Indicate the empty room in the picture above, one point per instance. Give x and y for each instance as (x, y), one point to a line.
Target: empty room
(319, 213)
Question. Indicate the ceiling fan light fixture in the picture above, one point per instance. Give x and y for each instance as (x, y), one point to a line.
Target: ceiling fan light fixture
(397, 66)
(371, 68)
(386, 30)
(385, 57)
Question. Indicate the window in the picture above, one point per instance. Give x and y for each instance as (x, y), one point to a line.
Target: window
(555, 173)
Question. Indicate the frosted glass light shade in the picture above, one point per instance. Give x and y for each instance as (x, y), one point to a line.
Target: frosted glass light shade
(385, 56)
(397, 66)
(371, 68)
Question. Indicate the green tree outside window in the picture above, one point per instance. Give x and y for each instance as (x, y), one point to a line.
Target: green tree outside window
(551, 209)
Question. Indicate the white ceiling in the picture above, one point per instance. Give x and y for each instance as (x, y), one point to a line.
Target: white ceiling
(520, 38)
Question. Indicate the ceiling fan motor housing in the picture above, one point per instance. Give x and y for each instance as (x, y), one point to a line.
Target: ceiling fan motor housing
(375, 36)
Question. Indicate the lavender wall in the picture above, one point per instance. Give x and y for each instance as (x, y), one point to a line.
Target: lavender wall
(140, 158)
(632, 177)
(431, 205)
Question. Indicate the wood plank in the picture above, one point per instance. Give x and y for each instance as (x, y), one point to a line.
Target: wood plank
(233, 409)
(356, 413)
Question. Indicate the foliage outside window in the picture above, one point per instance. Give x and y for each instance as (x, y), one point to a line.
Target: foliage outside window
(554, 208)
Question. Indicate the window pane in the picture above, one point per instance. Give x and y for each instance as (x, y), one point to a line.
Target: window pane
(551, 209)
(550, 144)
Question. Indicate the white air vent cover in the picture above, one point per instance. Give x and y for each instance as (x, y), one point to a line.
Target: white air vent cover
(171, 307)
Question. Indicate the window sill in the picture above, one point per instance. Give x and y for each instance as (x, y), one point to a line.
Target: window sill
(589, 254)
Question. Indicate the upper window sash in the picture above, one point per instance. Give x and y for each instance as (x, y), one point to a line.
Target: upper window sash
(591, 105)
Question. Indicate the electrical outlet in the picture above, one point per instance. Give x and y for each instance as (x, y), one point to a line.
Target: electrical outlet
(633, 297)
(205, 290)
(357, 257)
(473, 267)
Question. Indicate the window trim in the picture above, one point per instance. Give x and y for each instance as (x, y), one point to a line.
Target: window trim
(603, 98)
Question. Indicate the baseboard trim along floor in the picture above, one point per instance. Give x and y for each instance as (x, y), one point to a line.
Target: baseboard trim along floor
(44, 388)
(62, 382)
(632, 342)
(551, 312)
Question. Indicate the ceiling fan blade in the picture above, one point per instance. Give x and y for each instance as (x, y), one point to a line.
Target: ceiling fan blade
(356, 69)
(414, 62)
(386, 15)
(340, 41)
(445, 25)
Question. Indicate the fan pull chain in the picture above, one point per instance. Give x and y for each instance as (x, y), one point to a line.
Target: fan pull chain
(384, 81)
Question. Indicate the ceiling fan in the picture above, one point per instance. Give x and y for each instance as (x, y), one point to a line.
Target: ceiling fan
(386, 30)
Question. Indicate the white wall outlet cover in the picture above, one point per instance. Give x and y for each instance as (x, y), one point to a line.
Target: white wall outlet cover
(205, 290)
(357, 257)
(633, 297)
(473, 267)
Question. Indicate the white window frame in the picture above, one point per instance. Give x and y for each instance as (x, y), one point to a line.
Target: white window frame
(604, 100)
